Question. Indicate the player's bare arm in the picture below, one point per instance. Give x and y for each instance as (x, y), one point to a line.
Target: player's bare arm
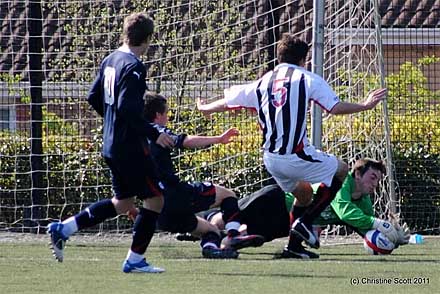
(208, 109)
(203, 141)
(370, 102)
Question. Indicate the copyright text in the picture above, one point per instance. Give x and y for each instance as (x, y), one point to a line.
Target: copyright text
(389, 281)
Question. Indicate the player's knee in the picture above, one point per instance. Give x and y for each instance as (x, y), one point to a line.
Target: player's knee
(122, 206)
(155, 203)
(222, 193)
(303, 193)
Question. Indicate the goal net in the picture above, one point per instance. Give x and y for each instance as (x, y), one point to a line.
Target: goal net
(51, 166)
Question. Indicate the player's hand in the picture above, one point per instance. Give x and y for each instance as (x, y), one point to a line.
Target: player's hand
(404, 234)
(386, 228)
(402, 230)
(227, 136)
(374, 97)
(165, 140)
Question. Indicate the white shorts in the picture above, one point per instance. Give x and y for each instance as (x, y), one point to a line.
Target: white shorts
(313, 166)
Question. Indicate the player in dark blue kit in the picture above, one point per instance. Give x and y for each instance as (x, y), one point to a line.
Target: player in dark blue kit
(117, 96)
(183, 200)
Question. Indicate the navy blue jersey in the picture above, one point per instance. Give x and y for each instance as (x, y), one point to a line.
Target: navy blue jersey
(163, 156)
(117, 95)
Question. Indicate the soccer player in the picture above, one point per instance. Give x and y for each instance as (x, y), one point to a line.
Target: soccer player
(183, 199)
(266, 212)
(281, 99)
(117, 96)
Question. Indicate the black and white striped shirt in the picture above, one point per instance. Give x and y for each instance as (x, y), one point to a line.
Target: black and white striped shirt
(281, 98)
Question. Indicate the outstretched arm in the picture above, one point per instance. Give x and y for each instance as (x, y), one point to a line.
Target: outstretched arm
(216, 106)
(372, 100)
(203, 141)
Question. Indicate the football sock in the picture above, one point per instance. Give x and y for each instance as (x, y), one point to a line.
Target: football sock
(232, 229)
(95, 214)
(231, 213)
(70, 226)
(133, 257)
(210, 239)
(323, 197)
(297, 212)
(294, 241)
(143, 230)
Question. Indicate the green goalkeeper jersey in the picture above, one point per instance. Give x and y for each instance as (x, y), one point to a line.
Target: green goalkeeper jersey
(357, 213)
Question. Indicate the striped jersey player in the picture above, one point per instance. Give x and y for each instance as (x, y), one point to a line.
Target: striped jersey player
(281, 98)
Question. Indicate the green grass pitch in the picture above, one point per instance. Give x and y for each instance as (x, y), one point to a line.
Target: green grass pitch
(95, 267)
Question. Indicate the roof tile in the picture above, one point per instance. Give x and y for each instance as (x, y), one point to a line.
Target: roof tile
(59, 44)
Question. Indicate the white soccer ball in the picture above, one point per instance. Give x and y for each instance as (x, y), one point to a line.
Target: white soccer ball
(376, 243)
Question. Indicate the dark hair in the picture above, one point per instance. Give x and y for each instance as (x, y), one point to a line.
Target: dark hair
(291, 50)
(154, 103)
(138, 28)
(362, 165)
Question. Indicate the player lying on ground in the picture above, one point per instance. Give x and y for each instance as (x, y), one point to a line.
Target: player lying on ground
(183, 200)
(117, 96)
(266, 212)
(281, 98)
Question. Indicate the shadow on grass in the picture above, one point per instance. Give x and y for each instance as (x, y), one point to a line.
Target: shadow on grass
(281, 275)
(382, 260)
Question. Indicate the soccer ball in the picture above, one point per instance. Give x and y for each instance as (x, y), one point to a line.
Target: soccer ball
(376, 243)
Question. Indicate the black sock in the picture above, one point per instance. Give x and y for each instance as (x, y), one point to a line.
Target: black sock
(230, 210)
(323, 197)
(294, 241)
(143, 230)
(95, 214)
(211, 237)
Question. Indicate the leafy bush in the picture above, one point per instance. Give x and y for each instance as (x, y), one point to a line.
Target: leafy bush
(418, 175)
(74, 175)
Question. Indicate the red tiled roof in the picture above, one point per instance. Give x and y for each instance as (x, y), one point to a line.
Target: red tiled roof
(60, 45)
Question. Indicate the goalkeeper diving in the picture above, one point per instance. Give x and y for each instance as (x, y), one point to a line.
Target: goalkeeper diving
(270, 211)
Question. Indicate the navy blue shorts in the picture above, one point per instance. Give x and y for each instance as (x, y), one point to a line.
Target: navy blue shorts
(182, 201)
(134, 177)
(203, 195)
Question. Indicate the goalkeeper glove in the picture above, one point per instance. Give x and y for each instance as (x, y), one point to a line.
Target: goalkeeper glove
(402, 230)
(404, 234)
(386, 228)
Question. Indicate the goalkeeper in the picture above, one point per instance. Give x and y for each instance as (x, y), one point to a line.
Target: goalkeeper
(183, 200)
(352, 206)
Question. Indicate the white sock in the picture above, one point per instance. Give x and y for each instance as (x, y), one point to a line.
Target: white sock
(134, 257)
(210, 244)
(232, 226)
(70, 226)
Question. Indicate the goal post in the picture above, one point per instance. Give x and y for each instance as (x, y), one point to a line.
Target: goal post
(199, 48)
